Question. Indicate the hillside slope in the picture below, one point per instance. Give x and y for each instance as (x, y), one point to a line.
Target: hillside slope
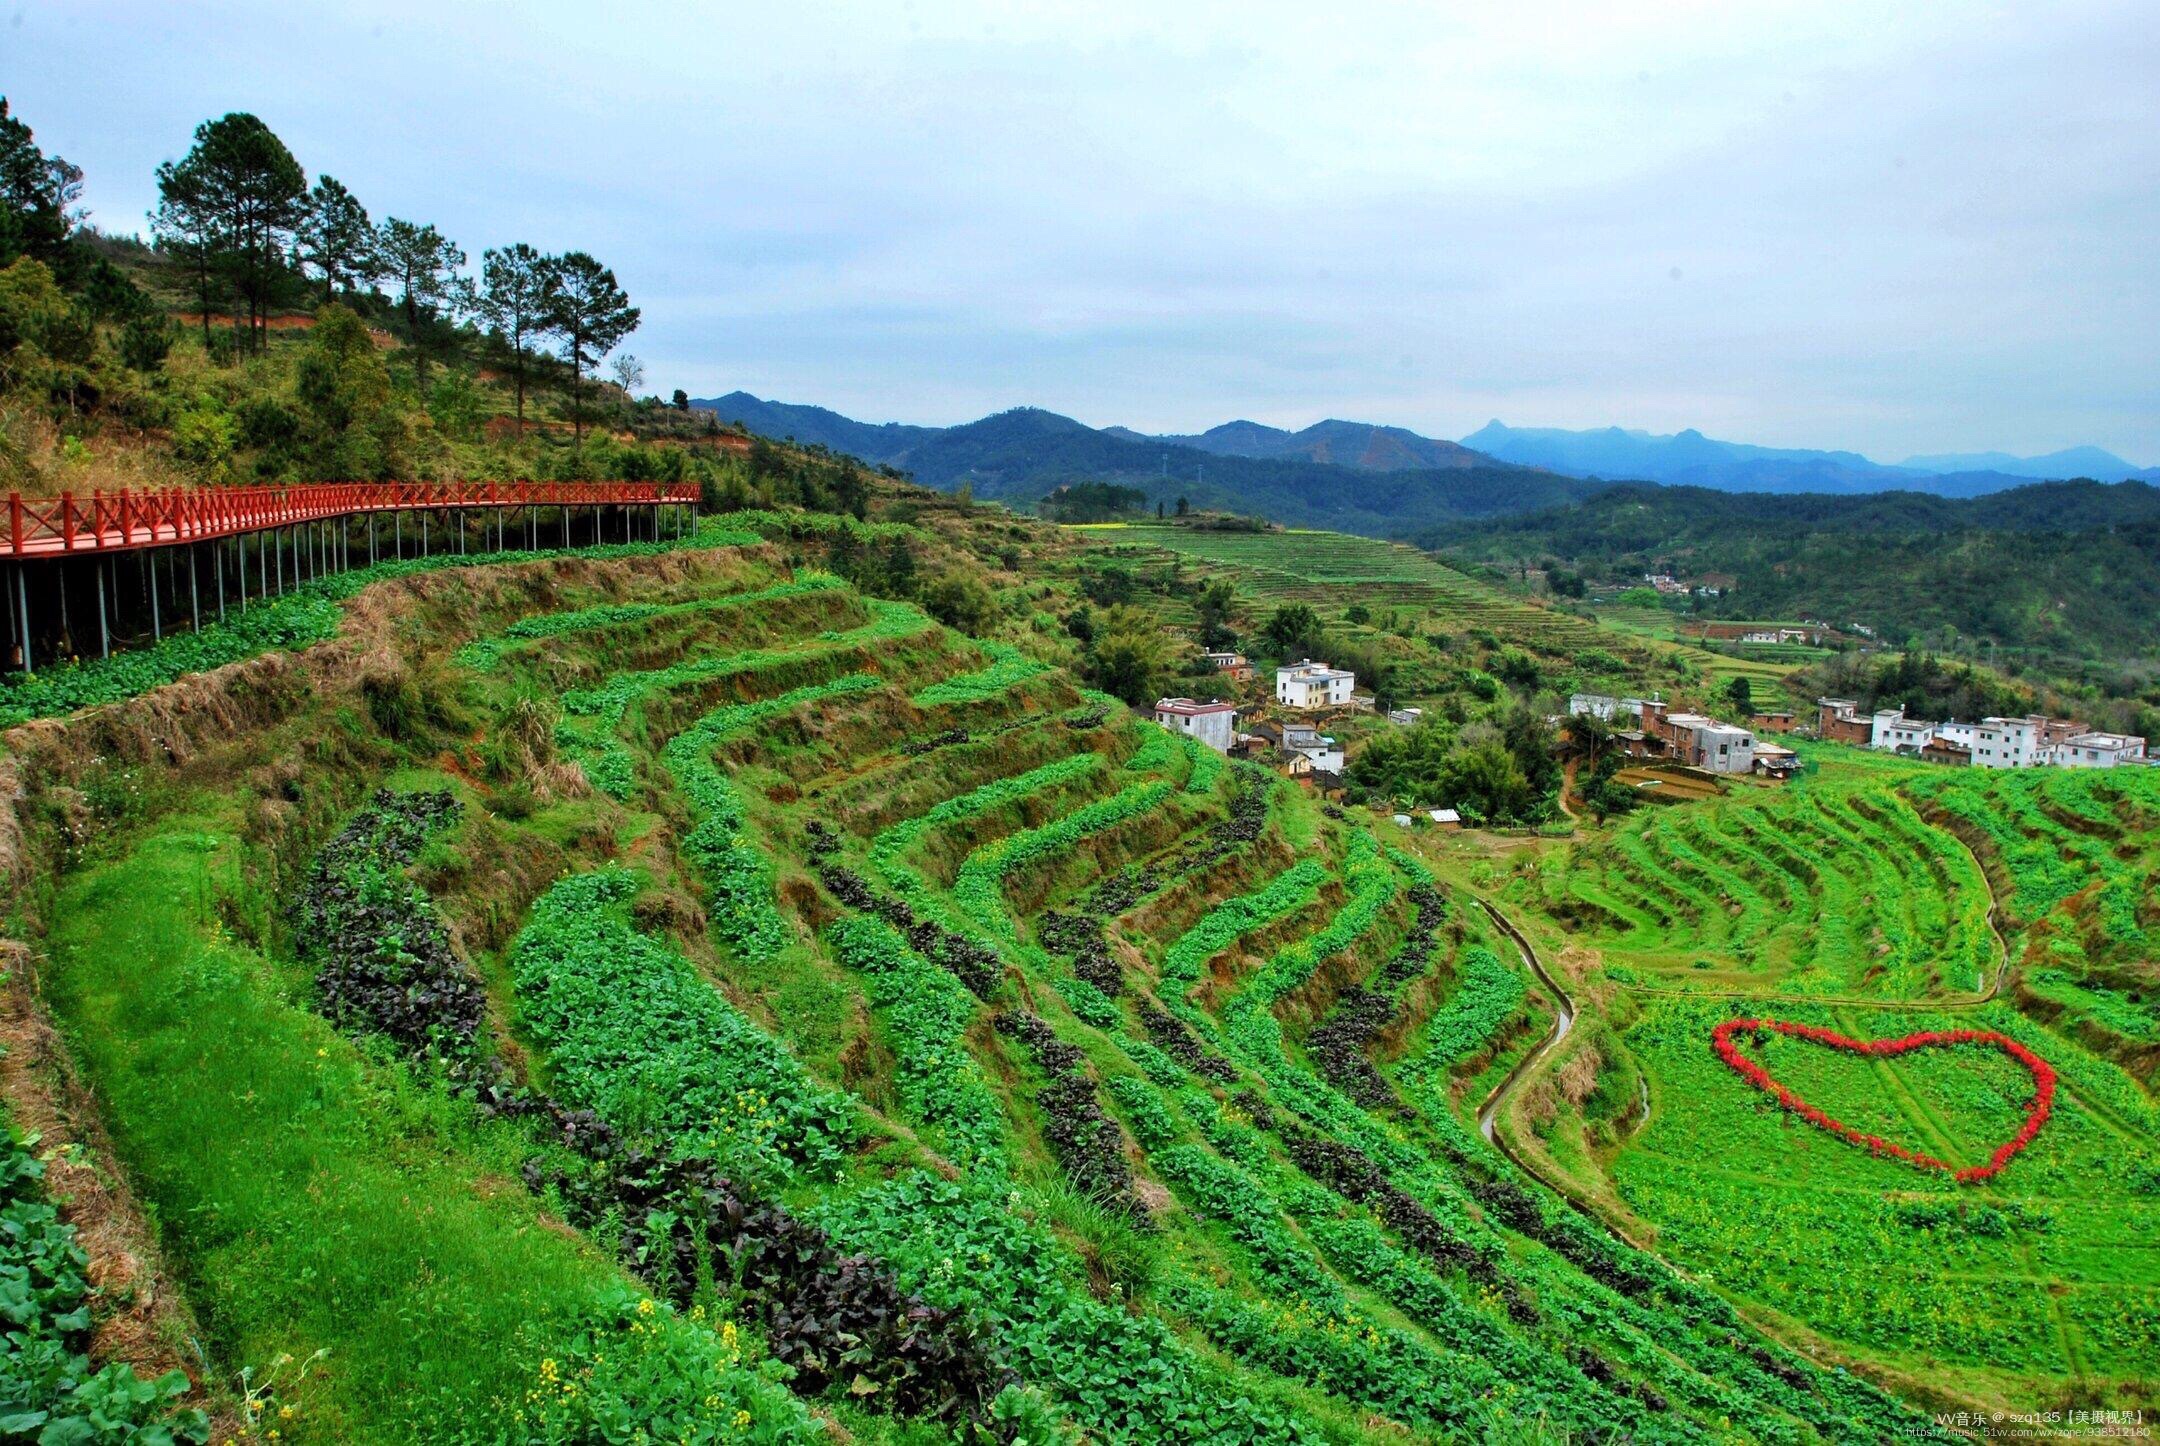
(2067, 569)
(990, 1087)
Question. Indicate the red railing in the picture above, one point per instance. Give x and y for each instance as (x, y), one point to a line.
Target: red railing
(114, 521)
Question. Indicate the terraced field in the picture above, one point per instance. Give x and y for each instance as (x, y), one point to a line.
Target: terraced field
(1858, 901)
(2075, 857)
(717, 1003)
(1835, 887)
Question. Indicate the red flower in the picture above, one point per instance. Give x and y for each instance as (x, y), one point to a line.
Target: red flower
(1723, 1041)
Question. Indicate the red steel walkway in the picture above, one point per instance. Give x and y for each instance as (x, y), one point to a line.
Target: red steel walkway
(62, 526)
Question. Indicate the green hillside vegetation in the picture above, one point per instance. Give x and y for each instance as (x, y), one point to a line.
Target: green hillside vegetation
(2050, 577)
(270, 330)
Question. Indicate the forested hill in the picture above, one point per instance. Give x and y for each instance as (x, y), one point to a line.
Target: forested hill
(2067, 568)
(1022, 455)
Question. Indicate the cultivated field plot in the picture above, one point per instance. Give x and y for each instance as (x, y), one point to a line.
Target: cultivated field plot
(2041, 1281)
(655, 974)
(1764, 666)
(1834, 886)
(1857, 901)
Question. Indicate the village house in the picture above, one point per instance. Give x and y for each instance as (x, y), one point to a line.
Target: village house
(1598, 705)
(1214, 724)
(1893, 732)
(1323, 752)
(1838, 720)
(1764, 633)
(1592, 705)
(1300, 747)
(1948, 751)
(1705, 743)
(2098, 750)
(1308, 684)
(1776, 722)
(2034, 741)
(1405, 717)
(1775, 761)
(1236, 665)
(2001, 742)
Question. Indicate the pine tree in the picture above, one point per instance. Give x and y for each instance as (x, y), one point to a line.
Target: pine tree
(514, 303)
(424, 264)
(589, 310)
(336, 240)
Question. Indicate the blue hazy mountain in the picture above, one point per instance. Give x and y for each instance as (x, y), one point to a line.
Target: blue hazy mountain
(1690, 459)
(1364, 445)
(2094, 462)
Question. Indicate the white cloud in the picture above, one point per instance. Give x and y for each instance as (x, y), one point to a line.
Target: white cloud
(1891, 228)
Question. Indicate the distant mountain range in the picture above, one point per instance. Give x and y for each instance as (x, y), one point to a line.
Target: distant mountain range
(1690, 459)
(2093, 462)
(1344, 444)
(1021, 455)
(1322, 476)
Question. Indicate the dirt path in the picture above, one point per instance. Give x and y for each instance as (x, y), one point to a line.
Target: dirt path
(1563, 1021)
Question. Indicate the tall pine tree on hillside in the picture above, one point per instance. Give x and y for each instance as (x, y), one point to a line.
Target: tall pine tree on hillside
(591, 312)
(231, 206)
(513, 302)
(336, 241)
(37, 194)
(424, 265)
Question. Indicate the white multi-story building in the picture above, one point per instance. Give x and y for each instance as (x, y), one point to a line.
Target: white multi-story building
(1214, 724)
(2097, 750)
(2005, 743)
(1309, 684)
(1896, 733)
(1722, 748)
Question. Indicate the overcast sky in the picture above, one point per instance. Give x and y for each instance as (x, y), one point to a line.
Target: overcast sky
(1898, 229)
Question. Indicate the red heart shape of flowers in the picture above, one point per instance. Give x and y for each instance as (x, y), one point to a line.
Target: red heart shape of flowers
(2043, 1075)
